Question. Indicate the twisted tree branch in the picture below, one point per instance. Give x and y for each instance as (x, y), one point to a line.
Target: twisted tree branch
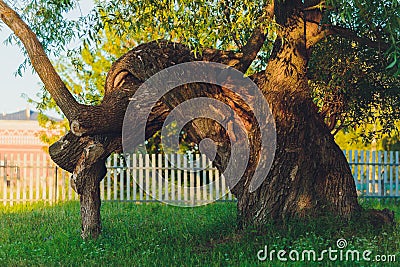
(256, 40)
(327, 30)
(349, 34)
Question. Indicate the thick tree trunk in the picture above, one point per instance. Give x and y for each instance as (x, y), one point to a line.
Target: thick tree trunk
(86, 181)
(90, 200)
(84, 155)
(87, 163)
(310, 175)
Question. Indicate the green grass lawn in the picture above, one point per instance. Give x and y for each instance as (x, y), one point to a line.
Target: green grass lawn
(160, 235)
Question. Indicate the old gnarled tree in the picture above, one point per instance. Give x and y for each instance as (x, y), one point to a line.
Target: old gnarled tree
(309, 176)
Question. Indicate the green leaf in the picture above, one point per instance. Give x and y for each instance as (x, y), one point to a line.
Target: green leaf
(391, 65)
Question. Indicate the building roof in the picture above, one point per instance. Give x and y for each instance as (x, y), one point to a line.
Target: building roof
(23, 115)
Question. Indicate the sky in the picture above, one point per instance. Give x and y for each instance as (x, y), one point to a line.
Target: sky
(12, 87)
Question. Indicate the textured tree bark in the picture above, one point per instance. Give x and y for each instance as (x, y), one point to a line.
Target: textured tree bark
(90, 199)
(88, 170)
(84, 155)
(310, 175)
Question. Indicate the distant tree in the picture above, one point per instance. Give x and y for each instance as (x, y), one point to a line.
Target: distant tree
(354, 138)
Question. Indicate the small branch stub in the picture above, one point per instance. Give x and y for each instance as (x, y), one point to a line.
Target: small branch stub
(76, 128)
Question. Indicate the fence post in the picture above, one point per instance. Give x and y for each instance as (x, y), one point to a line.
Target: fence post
(363, 183)
(134, 176)
(141, 170)
(166, 176)
(56, 185)
(386, 169)
(179, 174)
(128, 176)
(24, 185)
(397, 173)
(121, 167)
(5, 181)
(172, 158)
(191, 182)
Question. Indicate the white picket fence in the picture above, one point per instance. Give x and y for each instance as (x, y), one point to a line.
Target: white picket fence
(376, 173)
(177, 179)
(174, 178)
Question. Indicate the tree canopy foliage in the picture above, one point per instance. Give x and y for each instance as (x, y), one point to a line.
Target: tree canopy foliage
(354, 74)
